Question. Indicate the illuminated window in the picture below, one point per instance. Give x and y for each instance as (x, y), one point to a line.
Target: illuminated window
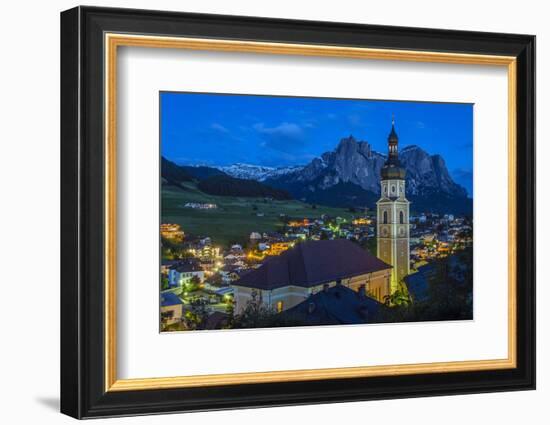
(279, 306)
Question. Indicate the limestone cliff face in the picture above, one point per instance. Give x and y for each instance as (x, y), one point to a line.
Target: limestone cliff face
(428, 173)
(353, 161)
(353, 164)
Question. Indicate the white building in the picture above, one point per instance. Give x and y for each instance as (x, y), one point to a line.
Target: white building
(183, 273)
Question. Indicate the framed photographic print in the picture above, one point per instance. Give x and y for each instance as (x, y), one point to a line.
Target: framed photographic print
(261, 212)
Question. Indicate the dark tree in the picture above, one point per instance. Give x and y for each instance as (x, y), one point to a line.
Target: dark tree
(196, 316)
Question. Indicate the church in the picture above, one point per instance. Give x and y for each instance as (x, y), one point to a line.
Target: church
(284, 281)
(299, 274)
(393, 215)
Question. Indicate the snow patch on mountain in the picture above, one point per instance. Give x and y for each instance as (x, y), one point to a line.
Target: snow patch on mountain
(256, 172)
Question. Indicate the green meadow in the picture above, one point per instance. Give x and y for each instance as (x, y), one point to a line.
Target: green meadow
(236, 217)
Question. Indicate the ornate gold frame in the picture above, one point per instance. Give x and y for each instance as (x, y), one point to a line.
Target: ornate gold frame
(113, 41)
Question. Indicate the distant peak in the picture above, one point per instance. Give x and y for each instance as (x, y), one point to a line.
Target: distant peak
(244, 164)
(347, 141)
(257, 172)
(350, 138)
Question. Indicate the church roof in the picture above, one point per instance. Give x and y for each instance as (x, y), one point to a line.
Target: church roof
(338, 305)
(313, 263)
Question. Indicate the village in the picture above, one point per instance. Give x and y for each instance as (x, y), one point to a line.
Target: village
(198, 275)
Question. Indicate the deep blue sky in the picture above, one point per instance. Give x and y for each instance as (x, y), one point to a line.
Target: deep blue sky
(217, 129)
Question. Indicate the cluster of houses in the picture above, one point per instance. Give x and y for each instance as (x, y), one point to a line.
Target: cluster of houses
(308, 262)
(233, 271)
(434, 236)
(327, 227)
(172, 232)
(263, 245)
(200, 206)
(434, 218)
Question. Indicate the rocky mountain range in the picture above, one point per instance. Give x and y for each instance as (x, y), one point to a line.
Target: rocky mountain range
(350, 176)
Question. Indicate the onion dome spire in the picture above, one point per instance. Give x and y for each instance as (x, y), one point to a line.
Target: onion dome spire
(392, 168)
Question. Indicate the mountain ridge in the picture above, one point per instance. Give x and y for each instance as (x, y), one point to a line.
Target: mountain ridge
(353, 163)
(255, 172)
(349, 176)
(215, 182)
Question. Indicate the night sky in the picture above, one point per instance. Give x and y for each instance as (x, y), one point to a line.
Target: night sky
(218, 129)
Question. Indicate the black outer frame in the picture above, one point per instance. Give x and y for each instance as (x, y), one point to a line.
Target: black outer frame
(82, 206)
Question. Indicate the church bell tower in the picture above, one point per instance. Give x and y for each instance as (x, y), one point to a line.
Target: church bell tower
(393, 215)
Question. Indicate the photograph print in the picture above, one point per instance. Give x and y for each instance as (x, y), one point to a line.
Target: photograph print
(298, 211)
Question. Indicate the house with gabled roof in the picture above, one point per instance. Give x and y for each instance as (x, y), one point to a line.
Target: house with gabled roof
(184, 271)
(337, 305)
(171, 308)
(286, 280)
